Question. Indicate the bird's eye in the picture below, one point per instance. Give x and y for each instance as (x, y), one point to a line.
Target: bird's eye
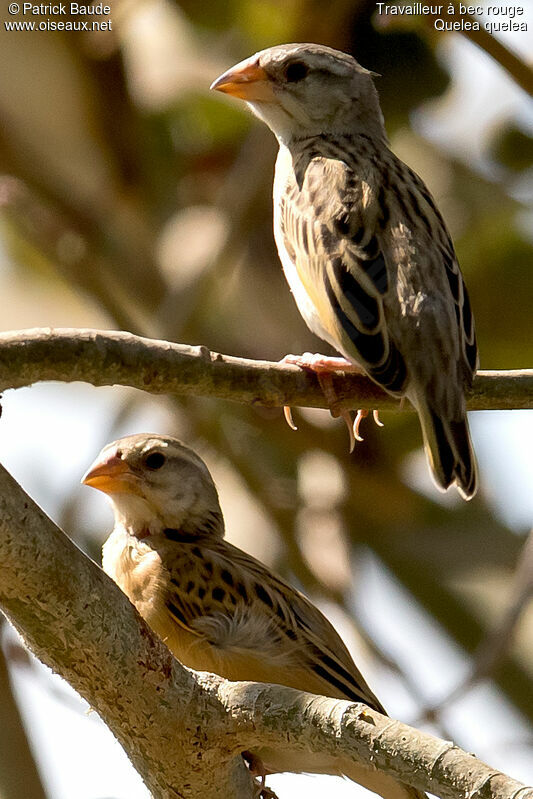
(155, 461)
(296, 71)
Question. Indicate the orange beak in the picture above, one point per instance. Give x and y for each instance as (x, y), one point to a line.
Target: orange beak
(111, 475)
(247, 80)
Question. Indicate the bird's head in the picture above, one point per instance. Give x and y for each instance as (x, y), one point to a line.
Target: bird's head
(156, 482)
(303, 90)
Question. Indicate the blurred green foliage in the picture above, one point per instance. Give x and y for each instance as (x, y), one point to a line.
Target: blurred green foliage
(513, 148)
(109, 141)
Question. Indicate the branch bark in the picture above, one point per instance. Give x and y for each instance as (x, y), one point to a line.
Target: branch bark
(105, 358)
(78, 622)
(184, 731)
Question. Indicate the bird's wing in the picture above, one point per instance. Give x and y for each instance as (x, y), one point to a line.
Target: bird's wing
(424, 206)
(333, 226)
(329, 224)
(243, 610)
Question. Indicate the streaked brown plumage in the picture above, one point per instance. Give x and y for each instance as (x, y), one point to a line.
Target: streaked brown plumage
(363, 246)
(217, 608)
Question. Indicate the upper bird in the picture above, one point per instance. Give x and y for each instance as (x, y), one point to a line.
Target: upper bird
(364, 248)
(217, 608)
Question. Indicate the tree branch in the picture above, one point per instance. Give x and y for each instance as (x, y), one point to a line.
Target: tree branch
(350, 732)
(105, 358)
(77, 621)
(184, 731)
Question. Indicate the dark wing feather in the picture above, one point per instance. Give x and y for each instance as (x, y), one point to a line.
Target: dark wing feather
(463, 311)
(334, 224)
(426, 207)
(317, 644)
(236, 603)
(332, 236)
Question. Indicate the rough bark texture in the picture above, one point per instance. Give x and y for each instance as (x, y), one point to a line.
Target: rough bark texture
(77, 621)
(105, 358)
(354, 732)
(184, 732)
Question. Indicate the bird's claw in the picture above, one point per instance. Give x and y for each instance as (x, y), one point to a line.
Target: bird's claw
(263, 791)
(346, 415)
(377, 420)
(287, 413)
(324, 367)
(362, 413)
(259, 773)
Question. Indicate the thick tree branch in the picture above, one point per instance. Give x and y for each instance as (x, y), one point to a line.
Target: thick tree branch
(183, 731)
(77, 621)
(105, 358)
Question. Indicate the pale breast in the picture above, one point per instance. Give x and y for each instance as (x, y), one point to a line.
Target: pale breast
(285, 243)
(137, 570)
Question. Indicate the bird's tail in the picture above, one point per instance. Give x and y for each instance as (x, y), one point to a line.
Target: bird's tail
(449, 449)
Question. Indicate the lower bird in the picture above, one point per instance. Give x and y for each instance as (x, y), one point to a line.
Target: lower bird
(216, 607)
(363, 245)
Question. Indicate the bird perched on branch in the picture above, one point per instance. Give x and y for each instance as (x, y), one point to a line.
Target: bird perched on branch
(217, 608)
(363, 246)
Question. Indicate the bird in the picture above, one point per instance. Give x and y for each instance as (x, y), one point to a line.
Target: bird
(363, 246)
(217, 608)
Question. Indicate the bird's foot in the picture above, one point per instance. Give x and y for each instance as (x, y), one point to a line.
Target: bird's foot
(325, 367)
(264, 792)
(361, 414)
(259, 772)
(318, 363)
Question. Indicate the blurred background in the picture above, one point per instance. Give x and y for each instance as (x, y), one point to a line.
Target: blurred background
(132, 198)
